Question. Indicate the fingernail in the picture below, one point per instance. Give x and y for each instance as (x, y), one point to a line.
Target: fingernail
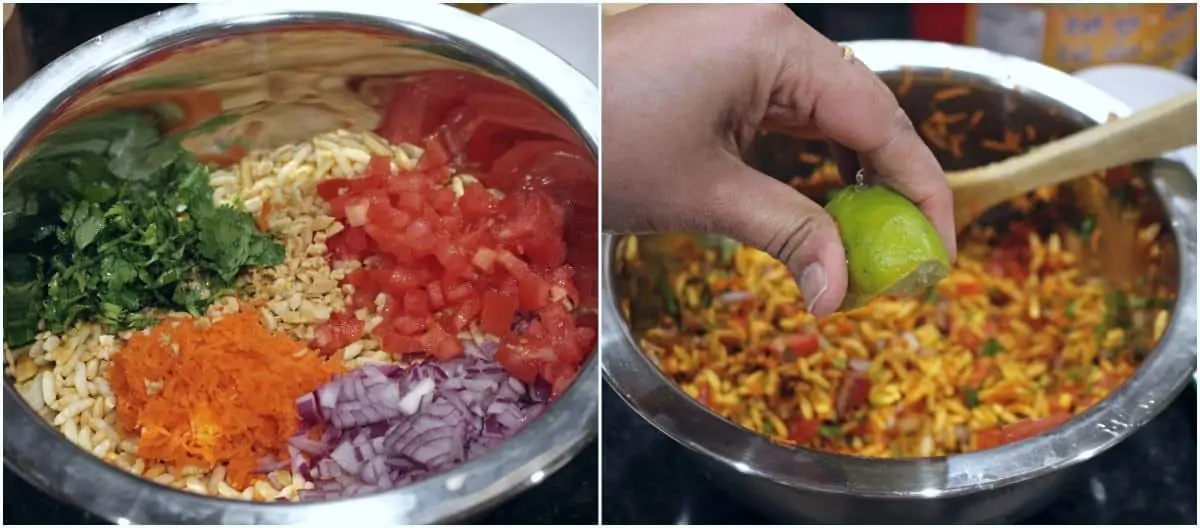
(812, 284)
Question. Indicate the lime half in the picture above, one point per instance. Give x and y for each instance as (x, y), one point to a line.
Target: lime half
(891, 248)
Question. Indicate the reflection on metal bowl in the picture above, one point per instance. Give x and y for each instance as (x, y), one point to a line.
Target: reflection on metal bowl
(992, 485)
(259, 75)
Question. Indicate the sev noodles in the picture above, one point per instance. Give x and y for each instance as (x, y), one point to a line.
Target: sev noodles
(1014, 342)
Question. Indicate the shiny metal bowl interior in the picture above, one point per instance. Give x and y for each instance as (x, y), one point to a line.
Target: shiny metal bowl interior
(1002, 484)
(246, 50)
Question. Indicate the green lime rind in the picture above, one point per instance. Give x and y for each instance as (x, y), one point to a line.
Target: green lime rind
(891, 247)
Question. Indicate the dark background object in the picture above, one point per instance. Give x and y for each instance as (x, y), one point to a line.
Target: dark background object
(1150, 478)
(569, 496)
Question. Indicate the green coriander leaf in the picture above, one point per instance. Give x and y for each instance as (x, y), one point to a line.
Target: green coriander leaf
(990, 348)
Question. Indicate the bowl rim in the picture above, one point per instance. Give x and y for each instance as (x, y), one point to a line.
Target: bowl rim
(1157, 382)
(43, 457)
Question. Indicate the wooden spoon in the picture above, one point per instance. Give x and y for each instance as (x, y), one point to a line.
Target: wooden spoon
(1146, 134)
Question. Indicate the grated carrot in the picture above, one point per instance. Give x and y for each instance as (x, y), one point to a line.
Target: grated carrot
(202, 395)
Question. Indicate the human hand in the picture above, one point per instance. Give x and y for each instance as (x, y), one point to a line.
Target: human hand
(685, 90)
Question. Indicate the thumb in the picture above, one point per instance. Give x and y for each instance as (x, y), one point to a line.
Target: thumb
(765, 213)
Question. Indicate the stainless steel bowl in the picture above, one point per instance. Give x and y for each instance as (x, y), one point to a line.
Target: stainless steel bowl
(997, 485)
(285, 66)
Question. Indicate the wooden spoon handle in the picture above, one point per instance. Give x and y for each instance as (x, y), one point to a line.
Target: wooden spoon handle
(1143, 135)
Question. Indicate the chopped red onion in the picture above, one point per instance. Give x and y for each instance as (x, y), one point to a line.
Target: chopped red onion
(385, 426)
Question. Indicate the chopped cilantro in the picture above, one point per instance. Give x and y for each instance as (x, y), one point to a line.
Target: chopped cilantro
(830, 431)
(107, 220)
(970, 397)
(990, 348)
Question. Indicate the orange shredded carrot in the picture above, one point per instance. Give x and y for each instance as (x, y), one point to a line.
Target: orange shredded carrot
(261, 219)
(200, 395)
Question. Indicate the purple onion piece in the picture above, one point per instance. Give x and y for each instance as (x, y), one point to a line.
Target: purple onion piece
(370, 444)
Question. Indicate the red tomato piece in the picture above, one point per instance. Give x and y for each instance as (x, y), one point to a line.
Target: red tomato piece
(477, 203)
(514, 360)
(853, 392)
(436, 299)
(340, 330)
(498, 312)
(416, 303)
(1029, 428)
(533, 227)
(379, 167)
(988, 438)
(330, 189)
(533, 293)
(396, 280)
(803, 345)
(408, 325)
(441, 344)
(969, 288)
(435, 156)
(802, 431)
(457, 291)
(465, 313)
(347, 244)
(559, 375)
(386, 217)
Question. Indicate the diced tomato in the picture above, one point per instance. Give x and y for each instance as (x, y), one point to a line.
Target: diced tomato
(988, 438)
(435, 154)
(476, 203)
(585, 338)
(498, 312)
(397, 281)
(330, 189)
(466, 312)
(969, 288)
(409, 325)
(379, 167)
(517, 361)
(441, 344)
(452, 259)
(436, 299)
(1019, 430)
(457, 291)
(533, 293)
(803, 345)
(802, 431)
(853, 392)
(340, 330)
(416, 303)
(448, 262)
(1028, 428)
(348, 244)
(559, 375)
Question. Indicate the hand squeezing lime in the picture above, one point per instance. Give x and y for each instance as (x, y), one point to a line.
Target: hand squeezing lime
(891, 248)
